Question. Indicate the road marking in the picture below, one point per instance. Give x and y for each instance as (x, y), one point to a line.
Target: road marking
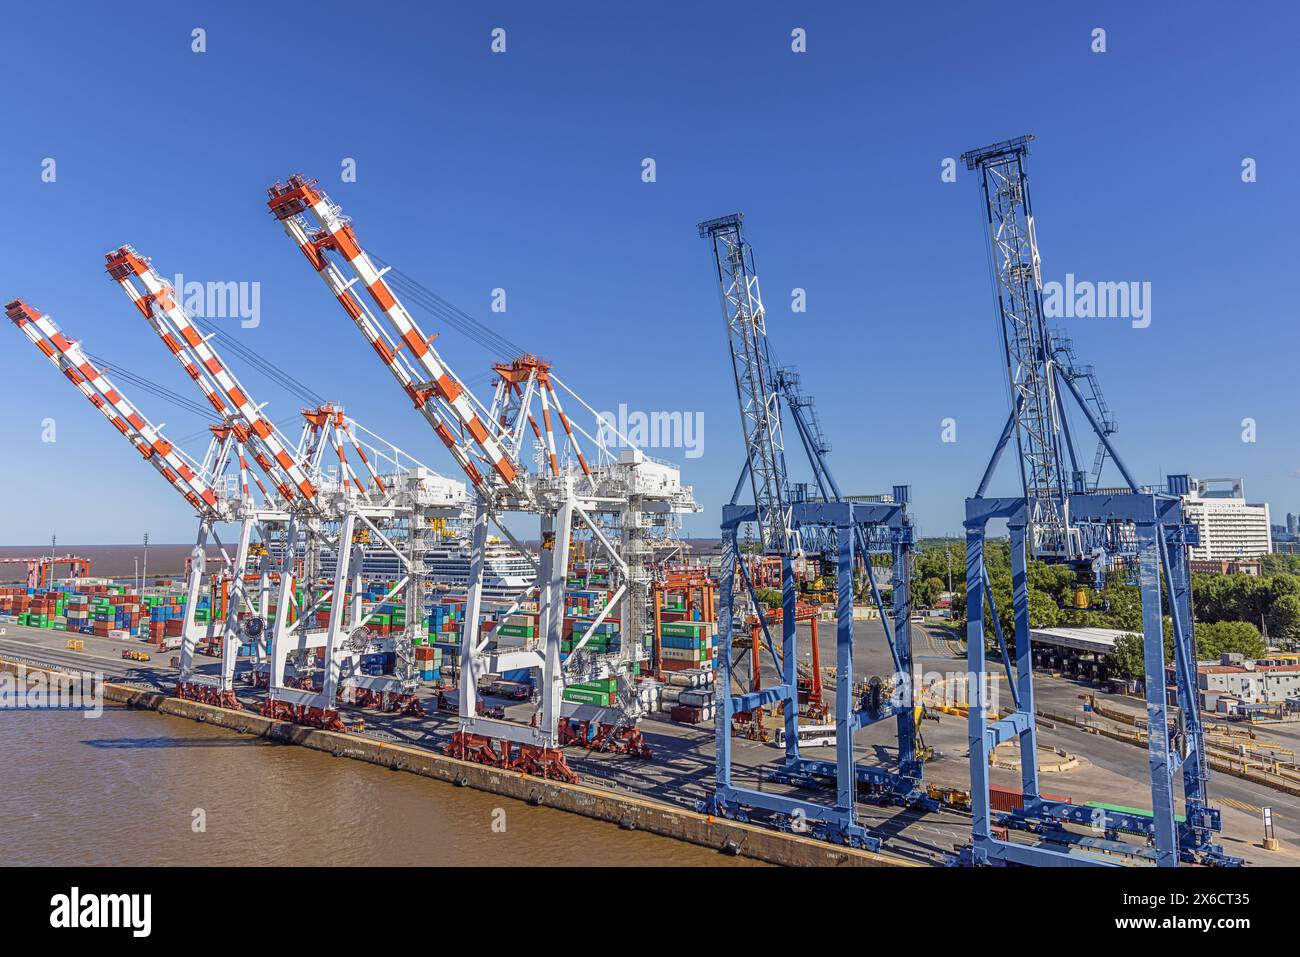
(1241, 805)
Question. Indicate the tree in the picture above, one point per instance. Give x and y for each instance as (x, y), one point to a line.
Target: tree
(1280, 564)
(926, 591)
(1218, 638)
(1284, 618)
(1128, 659)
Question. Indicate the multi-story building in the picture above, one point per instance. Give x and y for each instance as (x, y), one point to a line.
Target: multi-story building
(1231, 528)
(1243, 566)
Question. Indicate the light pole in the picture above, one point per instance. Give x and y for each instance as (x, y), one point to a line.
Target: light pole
(947, 552)
(144, 571)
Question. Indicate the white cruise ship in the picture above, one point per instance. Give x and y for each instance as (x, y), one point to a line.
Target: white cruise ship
(506, 572)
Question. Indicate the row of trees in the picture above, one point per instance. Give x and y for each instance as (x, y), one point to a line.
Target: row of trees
(1229, 609)
(1270, 601)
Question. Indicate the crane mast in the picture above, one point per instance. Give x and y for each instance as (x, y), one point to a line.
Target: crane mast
(1090, 390)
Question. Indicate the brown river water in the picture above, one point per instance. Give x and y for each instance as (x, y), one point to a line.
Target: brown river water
(130, 788)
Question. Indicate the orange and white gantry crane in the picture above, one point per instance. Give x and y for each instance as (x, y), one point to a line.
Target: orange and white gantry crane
(203, 485)
(622, 501)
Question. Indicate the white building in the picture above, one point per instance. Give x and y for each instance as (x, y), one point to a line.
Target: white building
(1267, 681)
(1230, 526)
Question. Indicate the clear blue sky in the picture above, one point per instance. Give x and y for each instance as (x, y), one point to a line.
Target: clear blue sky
(523, 171)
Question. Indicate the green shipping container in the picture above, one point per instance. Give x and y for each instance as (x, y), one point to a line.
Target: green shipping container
(607, 685)
(598, 698)
(685, 629)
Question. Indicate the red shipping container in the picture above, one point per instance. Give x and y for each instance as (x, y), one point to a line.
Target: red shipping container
(1007, 800)
(685, 714)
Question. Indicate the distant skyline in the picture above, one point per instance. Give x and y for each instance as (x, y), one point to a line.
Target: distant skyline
(1164, 161)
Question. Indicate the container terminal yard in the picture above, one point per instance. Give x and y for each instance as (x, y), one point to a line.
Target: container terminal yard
(532, 622)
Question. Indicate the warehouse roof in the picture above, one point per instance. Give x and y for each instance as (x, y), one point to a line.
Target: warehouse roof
(1082, 639)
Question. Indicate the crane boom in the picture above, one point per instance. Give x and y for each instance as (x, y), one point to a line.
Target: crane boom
(1027, 346)
(436, 391)
(92, 382)
(755, 378)
(160, 306)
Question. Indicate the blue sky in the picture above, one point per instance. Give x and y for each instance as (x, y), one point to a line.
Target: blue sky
(522, 170)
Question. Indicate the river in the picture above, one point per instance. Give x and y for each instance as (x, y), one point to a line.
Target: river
(138, 788)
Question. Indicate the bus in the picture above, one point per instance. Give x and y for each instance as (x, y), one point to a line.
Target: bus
(810, 736)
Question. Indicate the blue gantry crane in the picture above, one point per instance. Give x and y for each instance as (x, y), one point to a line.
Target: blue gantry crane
(1062, 516)
(814, 520)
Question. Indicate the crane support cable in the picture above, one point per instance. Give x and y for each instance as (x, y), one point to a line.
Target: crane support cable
(428, 300)
(162, 392)
(268, 369)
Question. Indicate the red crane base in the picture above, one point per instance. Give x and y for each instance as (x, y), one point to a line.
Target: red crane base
(473, 747)
(745, 725)
(814, 711)
(327, 719)
(608, 739)
(406, 704)
(546, 763)
(206, 694)
(542, 762)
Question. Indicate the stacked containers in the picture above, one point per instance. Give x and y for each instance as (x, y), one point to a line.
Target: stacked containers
(602, 692)
(687, 645)
(428, 661)
(605, 638)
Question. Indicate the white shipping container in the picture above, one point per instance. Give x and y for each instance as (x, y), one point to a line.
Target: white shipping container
(696, 698)
(690, 678)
